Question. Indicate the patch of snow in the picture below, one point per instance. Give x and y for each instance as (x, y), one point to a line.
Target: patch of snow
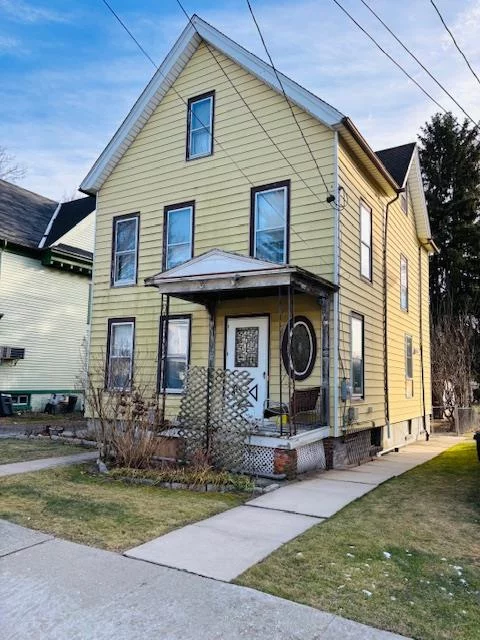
(387, 555)
(392, 598)
(350, 555)
(367, 593)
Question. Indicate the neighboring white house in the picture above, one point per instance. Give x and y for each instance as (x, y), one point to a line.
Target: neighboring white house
(46, 254)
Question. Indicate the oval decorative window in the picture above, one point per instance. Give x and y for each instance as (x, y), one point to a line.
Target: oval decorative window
(303, 348)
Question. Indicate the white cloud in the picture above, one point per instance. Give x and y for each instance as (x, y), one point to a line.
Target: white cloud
(24, 12)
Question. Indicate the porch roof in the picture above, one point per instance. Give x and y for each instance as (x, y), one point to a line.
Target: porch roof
(224, 274)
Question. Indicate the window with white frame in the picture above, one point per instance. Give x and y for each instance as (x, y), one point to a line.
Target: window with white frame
(175, 338)
(270, 221)
(357, 355)
(121, 334)
(200, 126)
(365, 241)
(403, 283)
(179, 221)
(125, 250)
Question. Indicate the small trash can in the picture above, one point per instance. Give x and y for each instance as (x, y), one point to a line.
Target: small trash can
(476, 437)
(6, 407)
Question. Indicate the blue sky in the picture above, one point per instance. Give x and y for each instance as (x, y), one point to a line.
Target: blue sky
(69, 74)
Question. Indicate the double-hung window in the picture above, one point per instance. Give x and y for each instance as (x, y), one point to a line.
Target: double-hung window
(365, 241)
(403, 283)
(125, 250)
(200, 126)
(357, 354)
(121, 335)
(178, 234)
(270, 214)
(175, 339)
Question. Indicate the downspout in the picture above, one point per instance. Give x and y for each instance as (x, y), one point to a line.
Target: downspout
(336, 294)
(420, 286)
(385, 307)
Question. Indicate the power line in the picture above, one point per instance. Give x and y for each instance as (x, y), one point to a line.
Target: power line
(248, 107)
(417, 60)
(285, 96)
(454, 41)
(186, 104)
(397, 64)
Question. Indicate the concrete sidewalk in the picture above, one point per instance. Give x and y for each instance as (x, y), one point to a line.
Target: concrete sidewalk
(45, 463)
(226, 545)
(56, 590)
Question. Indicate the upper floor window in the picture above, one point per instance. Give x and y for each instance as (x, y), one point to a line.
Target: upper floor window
(178, 234)
(365, 241)
(121, 333)
(200, 126)
(175, 331)
(125, 250)
(270, 213)
(403, 283)
(357, 348)
(404, 199)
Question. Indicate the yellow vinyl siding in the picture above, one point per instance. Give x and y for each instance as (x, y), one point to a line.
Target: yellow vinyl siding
(153, 173)
(402, 240)
(357, 294)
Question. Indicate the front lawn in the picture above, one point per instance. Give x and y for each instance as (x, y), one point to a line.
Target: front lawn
(71, 503)
(14, 450)
(405, 557)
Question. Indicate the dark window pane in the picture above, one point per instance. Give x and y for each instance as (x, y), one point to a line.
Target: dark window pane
(301, 348)
(125, 267)
(174, 373)
(119, 377)
(357, 376)
(246, 347)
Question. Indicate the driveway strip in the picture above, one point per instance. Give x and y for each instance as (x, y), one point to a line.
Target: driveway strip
(45, 463)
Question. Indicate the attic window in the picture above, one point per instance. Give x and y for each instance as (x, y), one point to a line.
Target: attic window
(200, 126)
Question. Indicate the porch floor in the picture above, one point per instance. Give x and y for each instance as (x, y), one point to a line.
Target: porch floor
(226, 545)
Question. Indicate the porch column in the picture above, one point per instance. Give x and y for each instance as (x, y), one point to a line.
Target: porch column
(325, 301)
(211, 308)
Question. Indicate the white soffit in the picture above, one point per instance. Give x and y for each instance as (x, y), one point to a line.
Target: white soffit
(169, 71)
(415, 185)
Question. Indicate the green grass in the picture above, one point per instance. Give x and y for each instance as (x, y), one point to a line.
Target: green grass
(428, 520)
(15, 450)
(73, 504)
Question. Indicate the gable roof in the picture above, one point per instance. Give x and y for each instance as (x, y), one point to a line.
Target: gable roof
(30, 220)
(397, 161)
(24, 215)
(68, 216)
(176, 60)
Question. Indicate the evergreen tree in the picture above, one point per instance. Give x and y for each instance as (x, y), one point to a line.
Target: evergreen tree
(450, 158)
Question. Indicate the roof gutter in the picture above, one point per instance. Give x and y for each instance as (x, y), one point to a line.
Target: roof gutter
(352, 129)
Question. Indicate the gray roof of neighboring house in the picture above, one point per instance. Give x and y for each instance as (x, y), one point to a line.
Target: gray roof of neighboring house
(73, 251)
(396, 161)
(25, 216)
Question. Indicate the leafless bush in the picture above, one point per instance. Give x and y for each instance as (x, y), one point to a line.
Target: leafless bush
(126, 418)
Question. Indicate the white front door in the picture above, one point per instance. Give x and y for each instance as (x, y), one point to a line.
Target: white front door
(247, 350)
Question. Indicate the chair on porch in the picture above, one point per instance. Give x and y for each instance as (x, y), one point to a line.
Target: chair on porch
(302, 412)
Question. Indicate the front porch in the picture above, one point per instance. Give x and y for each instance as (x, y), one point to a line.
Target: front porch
(269, 322)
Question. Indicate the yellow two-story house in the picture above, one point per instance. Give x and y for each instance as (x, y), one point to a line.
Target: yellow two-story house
(245, 224)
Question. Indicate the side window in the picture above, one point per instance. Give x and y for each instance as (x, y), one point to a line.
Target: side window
(121, 335)
(408, 367)
(200, 126)
(124, 251)
(269, 225)
(365, 241)
(178, 234)
(357, 374)
(175, 333)
(403, 283)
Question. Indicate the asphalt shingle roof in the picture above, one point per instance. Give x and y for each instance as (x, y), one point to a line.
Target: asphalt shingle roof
(24, 215)
(396, 160)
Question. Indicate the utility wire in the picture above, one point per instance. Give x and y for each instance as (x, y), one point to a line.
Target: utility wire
(418, 61)
(285, 96)
(249, 109)
(454, 41)
(397, 64)
(117, 17)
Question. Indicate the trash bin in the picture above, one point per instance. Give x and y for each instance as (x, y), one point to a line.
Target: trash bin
(6, 407)
(476, 437)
